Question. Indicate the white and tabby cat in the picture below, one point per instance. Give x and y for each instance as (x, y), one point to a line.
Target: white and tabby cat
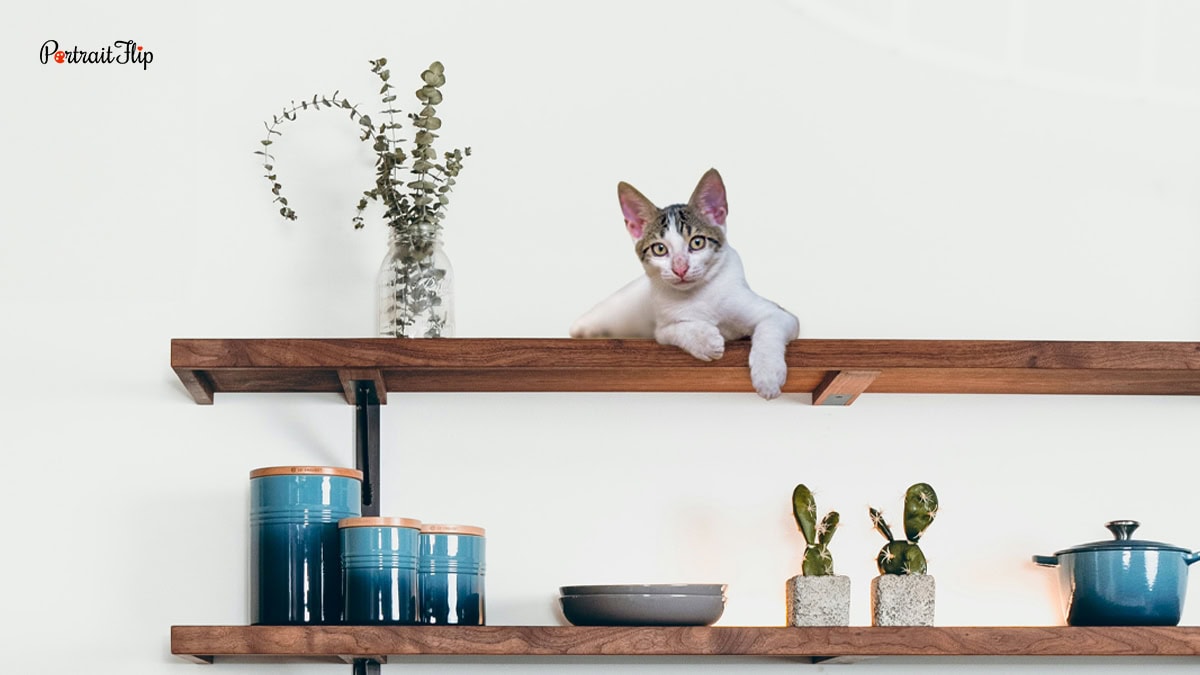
(694, 294)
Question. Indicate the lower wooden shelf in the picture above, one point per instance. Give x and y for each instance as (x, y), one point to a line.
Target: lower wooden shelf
(346, 643)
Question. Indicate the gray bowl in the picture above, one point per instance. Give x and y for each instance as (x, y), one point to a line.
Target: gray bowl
(642, 609)
(645, 589)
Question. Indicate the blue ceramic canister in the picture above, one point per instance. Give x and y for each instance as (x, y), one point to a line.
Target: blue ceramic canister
(379, 570)
(295, 550)
(450, 581)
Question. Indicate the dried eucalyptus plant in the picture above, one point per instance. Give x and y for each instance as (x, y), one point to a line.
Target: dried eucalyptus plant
(414, 196)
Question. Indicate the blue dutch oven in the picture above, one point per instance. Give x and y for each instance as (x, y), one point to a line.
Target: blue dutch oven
(1122, 581)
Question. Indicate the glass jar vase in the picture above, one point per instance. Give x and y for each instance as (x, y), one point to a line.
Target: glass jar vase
(415, 290)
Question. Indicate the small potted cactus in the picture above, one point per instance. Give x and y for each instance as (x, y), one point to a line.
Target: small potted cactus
(816, 596)
(903, 593)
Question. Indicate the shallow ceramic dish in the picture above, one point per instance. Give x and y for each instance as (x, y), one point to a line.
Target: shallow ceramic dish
(644, 609)
(645, 589)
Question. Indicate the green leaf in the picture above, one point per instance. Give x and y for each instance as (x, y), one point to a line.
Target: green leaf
(432, 123)
(437, 67)
(265, 142)
(429, 95)
(433, 79)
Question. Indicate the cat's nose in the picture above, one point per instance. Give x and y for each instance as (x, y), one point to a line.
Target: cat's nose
(680, 268)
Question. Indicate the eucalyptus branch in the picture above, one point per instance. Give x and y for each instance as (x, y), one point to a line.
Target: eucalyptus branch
(289, 115)
(413, 209)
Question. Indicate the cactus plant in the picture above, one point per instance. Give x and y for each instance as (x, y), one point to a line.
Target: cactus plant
(818, 562)
(905, 556)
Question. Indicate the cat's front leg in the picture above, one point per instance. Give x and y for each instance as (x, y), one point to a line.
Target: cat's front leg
(698, 338)
(768, 347)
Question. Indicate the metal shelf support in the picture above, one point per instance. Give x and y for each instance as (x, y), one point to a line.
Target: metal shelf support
(366, 444)
(366, 667)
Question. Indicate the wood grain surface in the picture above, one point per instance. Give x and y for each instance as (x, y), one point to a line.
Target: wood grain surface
(210, 366)
(326, 642)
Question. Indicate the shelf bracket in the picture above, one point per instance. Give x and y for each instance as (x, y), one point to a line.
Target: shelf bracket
(366, 667)
(366, 444)
(841, 660)
(349, 376)
(841, 387)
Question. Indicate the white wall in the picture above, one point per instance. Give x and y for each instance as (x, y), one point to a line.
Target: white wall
(895, 169)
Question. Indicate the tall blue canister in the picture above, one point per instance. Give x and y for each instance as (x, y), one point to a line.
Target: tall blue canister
(295, 550)
(450, 581)
(379, 570)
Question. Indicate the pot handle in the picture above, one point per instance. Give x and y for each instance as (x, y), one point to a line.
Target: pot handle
(1190, 558)
(1052, 560)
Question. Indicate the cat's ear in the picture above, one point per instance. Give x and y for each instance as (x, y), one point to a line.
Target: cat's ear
(708, 199)
(637, 209)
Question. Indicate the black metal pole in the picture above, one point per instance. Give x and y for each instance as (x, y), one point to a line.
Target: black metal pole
(366, 445)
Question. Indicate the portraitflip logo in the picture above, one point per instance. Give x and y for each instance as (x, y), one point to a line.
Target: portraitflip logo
(120, 52)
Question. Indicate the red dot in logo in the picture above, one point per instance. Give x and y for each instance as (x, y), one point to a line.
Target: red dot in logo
(139, 48)
(60, 56)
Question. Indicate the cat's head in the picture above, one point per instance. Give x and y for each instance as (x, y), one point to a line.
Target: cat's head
(679, 245)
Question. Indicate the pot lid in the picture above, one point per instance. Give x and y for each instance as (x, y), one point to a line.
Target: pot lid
(1123, 541)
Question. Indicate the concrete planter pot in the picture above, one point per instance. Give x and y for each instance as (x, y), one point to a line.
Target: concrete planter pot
(818, 601)
(902, 600)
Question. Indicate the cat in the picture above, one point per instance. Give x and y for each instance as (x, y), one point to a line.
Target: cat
(694, 294)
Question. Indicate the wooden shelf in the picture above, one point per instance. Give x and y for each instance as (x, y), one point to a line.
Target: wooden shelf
(834, 371)
(345, 643)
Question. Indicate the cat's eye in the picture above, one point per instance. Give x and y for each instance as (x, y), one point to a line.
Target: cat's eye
(697, 243)
(659, 249)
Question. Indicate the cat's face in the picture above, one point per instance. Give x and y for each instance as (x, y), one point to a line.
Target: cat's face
(679, 245)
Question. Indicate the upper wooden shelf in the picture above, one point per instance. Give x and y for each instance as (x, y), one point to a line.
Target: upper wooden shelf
(835, 371)
(204, 643)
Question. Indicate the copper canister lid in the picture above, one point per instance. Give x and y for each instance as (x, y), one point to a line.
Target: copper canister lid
(379, 521)
(306, 471)
(432, 528)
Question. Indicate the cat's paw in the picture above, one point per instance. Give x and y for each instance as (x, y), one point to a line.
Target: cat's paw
(704, 343)
(584, 328)
(768, 372)
(701, 340)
